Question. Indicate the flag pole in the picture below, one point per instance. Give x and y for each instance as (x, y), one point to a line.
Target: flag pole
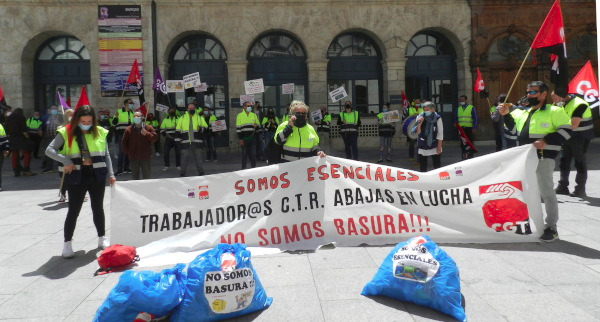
(517, 76)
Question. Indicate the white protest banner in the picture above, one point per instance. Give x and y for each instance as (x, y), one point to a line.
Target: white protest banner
(337, 94)
(246, 98)
(254, 86)
(218, 125)
(162, 108)
(391, 117)
(287, 88)
(304, 204)
(316, 115)
(201, 88)
(175, 86)
(191, 80)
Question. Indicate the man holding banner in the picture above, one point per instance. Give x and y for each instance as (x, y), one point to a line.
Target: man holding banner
(547, 127)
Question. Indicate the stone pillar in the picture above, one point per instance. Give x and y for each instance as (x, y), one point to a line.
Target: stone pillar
(393, 77)
(236, 71)
(317, 82)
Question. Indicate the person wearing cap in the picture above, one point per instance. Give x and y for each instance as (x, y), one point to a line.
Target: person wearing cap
(576, 147)
(137, 144)
(299, 139)
(547, 127)
(430, 131)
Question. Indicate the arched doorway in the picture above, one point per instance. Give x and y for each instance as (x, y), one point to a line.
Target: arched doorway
(278, 58)
(62, 64)
(431, 74)
(206, 55)
(355, 63)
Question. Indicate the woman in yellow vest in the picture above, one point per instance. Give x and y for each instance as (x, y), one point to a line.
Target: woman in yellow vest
(82, 149)
(299, 139)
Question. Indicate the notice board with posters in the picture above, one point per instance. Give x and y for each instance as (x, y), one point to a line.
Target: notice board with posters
(120, 43)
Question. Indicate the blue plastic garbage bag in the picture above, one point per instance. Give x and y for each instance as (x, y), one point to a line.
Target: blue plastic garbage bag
(420, 272)
(221, 284)
(146, 291)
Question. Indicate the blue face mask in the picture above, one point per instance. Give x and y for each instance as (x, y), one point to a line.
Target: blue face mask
(427, 113)
(205, 112)
(384, 110)
(53, 112)
(84, 127)
(249, 109)
(131, 106)
(137, 120)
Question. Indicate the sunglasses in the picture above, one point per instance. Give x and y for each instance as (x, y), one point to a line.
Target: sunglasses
(532, 92)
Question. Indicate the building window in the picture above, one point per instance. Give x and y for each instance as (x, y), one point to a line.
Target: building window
(512, 46)
(583, 47)
(355, 63)
(200, 48)
(426, 44)
(62, 64)
(278, 58)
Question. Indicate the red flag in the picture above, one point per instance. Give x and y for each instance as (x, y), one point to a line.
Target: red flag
(405, 102)
(2, 100)
(586, 85)
(551, 38)
(463, 137)
(83, 99)
(135, 79)
(479, 84)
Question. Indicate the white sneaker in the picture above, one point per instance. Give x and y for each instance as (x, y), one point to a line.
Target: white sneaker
(68, 250)
(179, 168)
(103, 242)
(157, 154)
(165, 168)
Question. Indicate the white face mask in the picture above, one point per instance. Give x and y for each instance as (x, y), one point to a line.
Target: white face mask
(69, 118)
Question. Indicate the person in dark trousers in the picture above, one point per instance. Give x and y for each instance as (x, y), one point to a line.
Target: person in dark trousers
(152, 121)
(430, 130)
(168, 129)
(18, 138)
(209, 136)
(121, 121)
(547, 127)
(247, 125)
(349, 121)
(82, 149)
(4, 150)
(51, 124)
(190, 134)
(576, 147)
(386, 132)
(466, 117)
(260, 132)
(34, 127)
(137, 144)
(498, 124)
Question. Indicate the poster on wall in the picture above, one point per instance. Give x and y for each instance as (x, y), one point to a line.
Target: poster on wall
(120, 43)
(287, 88)
(246, 98)
(203, 87)
(337, 94)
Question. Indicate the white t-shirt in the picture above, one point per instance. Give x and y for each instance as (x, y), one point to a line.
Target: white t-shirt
(440, 136)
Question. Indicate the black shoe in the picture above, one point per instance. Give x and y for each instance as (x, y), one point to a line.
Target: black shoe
(127, 171)
(118, 173)
(549, 235)
(380, 160)
(182, 175)
(388, 159)
(562, 190)
(580, 193)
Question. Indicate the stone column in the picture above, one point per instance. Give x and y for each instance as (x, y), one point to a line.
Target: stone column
(317, 82)
(236, 71)
(393, 77)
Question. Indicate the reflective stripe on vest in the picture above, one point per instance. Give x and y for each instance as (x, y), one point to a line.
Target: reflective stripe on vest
(245, 124)
(183, 126)
(586, 123)
(464, 116)
(97, 148)
(325, 124)
(124, 119)
(548, 119)
(384, 128)
(351, 122)
(301, 143)
(3, 137)
(33, 125)
(169, 125)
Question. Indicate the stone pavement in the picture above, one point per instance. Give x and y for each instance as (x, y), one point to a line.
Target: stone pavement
(559, 281)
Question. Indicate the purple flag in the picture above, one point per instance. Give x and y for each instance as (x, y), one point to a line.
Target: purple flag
(63, 104)
(159, 84)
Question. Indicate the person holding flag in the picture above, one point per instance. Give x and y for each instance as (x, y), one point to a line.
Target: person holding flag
(547, 127)
(466, 119)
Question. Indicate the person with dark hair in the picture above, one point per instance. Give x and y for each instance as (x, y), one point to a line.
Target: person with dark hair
(4, 150)
(82, 149)
(34, 126)
(430, 130)
(190, 133)
(349, 122)
(547, 127)
(247, 124)
(137, 144)
(386, 132)
(152, 121)
(269, 123)
(18, 137)
(466, 117)
(209, 135)
(498, 123)
(168, 130)
(121, 121)
(576, 147)
(324, 129)
(260, 131)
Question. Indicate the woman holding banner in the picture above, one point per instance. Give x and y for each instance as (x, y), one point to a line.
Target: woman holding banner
(82, 149)
(430, 130)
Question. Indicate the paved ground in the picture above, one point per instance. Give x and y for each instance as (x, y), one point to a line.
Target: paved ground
(501, 282)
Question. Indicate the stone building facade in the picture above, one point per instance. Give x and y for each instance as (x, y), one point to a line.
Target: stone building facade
(426, 48)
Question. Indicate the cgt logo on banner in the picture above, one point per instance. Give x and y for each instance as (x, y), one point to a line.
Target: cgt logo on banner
(311, 202)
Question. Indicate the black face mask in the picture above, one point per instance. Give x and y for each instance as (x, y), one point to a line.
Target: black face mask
(533, 101)
(172, 113)
(191, 112)
(300, 121)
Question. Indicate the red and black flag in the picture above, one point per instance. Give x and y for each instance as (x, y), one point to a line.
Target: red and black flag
(585, 84)
(479, 86)
(551, 39)
(3, 104)
(136, 80)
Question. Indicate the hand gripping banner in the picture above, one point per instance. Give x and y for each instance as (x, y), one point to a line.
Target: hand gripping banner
(312, 202)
